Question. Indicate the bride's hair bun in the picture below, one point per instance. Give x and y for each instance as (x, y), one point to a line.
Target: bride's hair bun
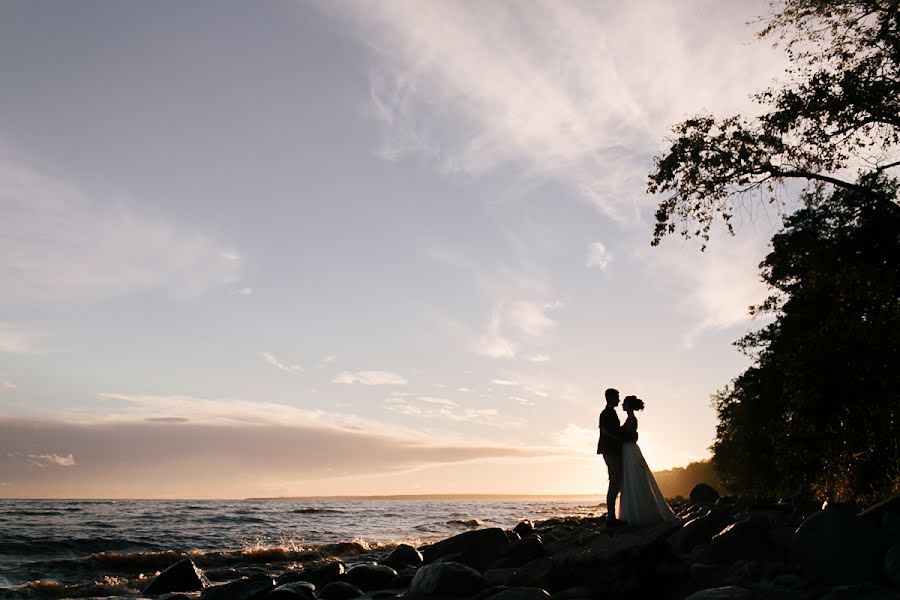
(632, 403)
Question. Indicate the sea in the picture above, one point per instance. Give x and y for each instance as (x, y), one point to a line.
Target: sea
(114, 548)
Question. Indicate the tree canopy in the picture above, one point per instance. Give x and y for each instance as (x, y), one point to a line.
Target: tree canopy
(838, 113)
(818, 410)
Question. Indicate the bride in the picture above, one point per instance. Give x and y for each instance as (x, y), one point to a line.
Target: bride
(641, 503)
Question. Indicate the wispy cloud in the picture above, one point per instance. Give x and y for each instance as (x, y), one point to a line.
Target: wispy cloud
(424, 407)
(57, 244)
(17, 340)
(539, 358)
(555, 90)
(273, 360)
(370, 378)
(598, 256)
(245, 291)
(6, 383)
(51, 459)
(492, 343)
(530, 318)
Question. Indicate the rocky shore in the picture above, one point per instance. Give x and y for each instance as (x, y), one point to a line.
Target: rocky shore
(724, 548)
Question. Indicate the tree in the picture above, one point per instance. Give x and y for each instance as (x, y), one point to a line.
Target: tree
(840, 111)
(818, 410)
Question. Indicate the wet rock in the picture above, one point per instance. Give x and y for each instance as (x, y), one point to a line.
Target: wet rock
(183, 576)
(298, 590)
(339, 590)
(318, 574)
(402, 555)
(699, 530)
(524, 528)
(709, 576)
(865, 591)
(521, 593)
(176, 596)
(745, 539)
(446, 579)
(892, 565)
(499, 576)
(834, 547)
(704, 494)
(248, 588)
(723, 593)
(371, 577)
(477, 548)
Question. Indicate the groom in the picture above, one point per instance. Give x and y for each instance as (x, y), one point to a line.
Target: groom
(610, 446)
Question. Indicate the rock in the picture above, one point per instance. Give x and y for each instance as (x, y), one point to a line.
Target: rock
(371, 577)
(533, 574)
(699, 530)
(524, 528)
(176, 596)
(745, 539)
(248, 588)
(499, 576)
(446, 579)
(704, 494)
(885, 514)
(865, 591)
(579, 592)
(183, 576)
(723, 593)
(521, 593)
(318, 574)
(339, 590)
(478, 548)
(709, 576)
(404, 554)
(892, 565)
(298, 590)
(835, 547)
(525, 550)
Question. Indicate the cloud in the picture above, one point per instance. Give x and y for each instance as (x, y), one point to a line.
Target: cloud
(448, 411)
(272, 360)
(598, 256)
(538, 358)
(504, 382)
(224, 457)
(46, 460)
(529, 318)
(370, 378)
(56, 244)
(16, 340)
(558, 90)
(441, 401)
(246, 291)
(492, 343)
(6, 383)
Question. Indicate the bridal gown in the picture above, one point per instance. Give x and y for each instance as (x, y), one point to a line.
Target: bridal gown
(641, 503)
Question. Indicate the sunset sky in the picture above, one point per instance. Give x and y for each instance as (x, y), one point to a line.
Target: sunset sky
(313, 248)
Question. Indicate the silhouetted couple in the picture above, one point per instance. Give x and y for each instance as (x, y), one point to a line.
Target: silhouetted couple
(641, 502)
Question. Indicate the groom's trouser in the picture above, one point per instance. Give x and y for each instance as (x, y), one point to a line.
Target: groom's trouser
(614, 467)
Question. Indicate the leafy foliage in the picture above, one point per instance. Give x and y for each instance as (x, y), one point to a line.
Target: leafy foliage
(840, 111)
(818, 410)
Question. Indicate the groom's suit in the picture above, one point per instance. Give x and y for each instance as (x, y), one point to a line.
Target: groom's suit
(610, 446)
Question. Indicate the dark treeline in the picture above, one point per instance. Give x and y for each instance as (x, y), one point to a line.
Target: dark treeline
(817, 412)
(681, 480)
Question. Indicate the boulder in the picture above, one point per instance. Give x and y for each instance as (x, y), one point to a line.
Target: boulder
(339, 590)
(247, 588)
(402, 555)
(579, 592)
(446, 579)
(371, 577)
(478, 548)
(499, 576)
(865, 591)
(745, 539)
(183, 576)
(298, 590)
(524, 528)
(892, 565)
(318, 574)
(835, 547)
(699, 530)
(525, 550)
(723, 593)
(704, 494)
(533, 574)
(885, 514)
(521, 593)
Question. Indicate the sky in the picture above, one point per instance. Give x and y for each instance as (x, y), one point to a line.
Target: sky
(323, 248)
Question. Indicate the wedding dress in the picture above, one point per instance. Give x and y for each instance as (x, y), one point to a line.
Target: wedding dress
(641, 503)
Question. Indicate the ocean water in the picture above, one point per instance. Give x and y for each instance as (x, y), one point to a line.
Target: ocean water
(113, 548)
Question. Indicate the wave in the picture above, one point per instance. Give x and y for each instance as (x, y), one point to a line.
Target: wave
(31, 513)
(103, 587)
(468, 523)
(312, 510)
(24, 545)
